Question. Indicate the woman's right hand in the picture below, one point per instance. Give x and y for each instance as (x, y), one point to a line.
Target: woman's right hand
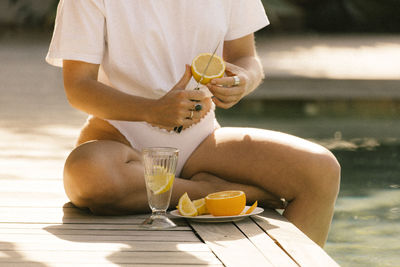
(177, 106)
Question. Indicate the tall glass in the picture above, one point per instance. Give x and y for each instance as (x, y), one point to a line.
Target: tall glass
(159, 172)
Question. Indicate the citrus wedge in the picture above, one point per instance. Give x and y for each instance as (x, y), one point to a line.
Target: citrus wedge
(216, 68)
(253, 207)
(186, 206)
(200, 205)
(226, 203)
(160, 181)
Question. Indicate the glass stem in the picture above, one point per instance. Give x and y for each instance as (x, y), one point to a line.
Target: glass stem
(158, 213)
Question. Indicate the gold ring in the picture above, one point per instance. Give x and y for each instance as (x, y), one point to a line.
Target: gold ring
(236, 80)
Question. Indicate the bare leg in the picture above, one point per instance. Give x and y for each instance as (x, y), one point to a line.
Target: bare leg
(103, 173)
(106, 175)
(304, 173)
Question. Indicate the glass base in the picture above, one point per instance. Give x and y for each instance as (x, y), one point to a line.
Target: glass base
(158, 222)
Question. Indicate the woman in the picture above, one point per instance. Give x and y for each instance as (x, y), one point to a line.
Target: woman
(126, 64)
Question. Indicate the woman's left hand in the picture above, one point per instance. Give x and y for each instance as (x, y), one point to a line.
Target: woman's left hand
(226, 94)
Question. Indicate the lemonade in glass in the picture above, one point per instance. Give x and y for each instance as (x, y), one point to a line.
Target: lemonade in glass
(159, 172)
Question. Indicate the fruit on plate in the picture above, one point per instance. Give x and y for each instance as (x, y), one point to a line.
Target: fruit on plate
(200, 205)
(252, 208)
(226, 203)
(186, 206)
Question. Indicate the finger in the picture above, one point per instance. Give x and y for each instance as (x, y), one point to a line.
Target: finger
(230, 73)
(221, 104)
(197, 116)
(184, 80)
(187, 123)
(231, 69)
(224, 82)
(228, 99)
(196, 95)
(224, 91)
(190, 115)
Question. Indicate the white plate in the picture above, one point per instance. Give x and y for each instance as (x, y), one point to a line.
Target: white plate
(211, 218)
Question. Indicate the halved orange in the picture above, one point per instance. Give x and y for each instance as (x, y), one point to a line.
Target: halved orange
(226, 203)
(216, 68)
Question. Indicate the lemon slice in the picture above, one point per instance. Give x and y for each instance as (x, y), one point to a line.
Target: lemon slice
(160, 181)
(186, 206)
(200, 205)
(216, 68)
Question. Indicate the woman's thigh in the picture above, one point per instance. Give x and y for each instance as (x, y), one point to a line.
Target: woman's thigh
(279, 163)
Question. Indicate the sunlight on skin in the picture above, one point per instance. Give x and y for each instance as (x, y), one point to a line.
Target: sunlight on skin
(240, 133)
(381, 61)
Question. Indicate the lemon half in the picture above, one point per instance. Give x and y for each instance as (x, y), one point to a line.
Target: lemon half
(216, 69)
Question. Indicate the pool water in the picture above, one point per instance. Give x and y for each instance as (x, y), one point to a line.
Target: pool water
(366, 226)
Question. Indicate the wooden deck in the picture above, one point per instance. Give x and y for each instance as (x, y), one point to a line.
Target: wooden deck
(39, 227)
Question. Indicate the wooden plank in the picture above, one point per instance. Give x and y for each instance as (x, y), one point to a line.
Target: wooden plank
(36, 264)
(85, 226)
(301, 248)
(120, 257)
(66, 210)
(264, 243)
(15, 243)
(32, 199)
(81, 237)
(31, 168)
(67, 215)
(32, 193)
(56, 231)
(230, 245)
(32, 185)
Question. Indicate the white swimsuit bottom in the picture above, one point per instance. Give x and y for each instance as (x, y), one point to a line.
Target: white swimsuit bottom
(143, 134)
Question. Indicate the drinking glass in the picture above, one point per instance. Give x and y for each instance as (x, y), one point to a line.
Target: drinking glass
(159, 172)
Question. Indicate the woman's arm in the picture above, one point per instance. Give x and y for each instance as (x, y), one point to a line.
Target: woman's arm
(87, 94)
(241, 60)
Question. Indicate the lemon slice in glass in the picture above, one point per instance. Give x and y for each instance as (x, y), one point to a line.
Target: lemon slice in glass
(160, 181)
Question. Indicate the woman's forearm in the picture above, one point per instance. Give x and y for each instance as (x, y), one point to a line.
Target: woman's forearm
(173, 109)
(87, 94)
(105, 102)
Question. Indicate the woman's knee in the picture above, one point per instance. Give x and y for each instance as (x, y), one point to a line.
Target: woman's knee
(89, 176)
(324, 175)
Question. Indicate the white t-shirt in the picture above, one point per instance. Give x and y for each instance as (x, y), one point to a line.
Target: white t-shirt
(143, 45)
